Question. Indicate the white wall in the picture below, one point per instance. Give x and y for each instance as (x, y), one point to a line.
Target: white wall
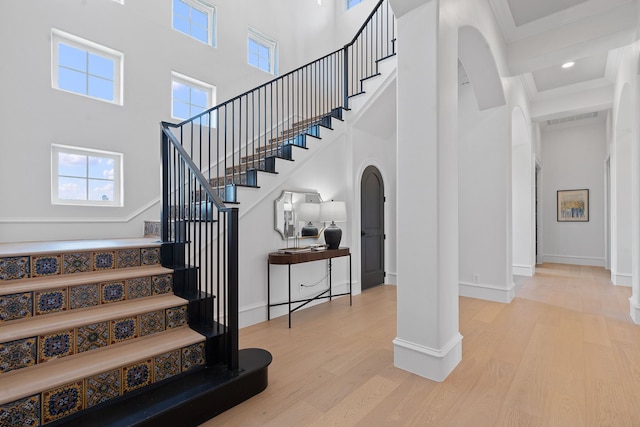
(36, 116)
(625, 177)
(523, 180)
(258, 237)
(371, 149)
(349, 21)
(573, 158)
(484, 169)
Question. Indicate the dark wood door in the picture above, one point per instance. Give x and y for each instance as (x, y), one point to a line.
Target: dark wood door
(372, 228)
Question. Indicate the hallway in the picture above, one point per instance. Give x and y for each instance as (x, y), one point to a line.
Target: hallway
(563, 353)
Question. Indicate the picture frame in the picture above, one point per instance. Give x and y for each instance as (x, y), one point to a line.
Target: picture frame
(573, 205)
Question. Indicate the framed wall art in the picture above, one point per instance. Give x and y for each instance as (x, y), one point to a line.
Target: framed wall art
(573, 205)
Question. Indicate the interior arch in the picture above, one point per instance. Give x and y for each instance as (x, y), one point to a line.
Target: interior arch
(479, 63)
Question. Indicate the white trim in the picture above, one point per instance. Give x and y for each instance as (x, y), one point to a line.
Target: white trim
(211, 12)
(621, 279)
(575, 260)
(524, 270)
(118, 180)
(487, 292)
(91, 220)
(257, 313)
(268, 42)
(196, 84)
(634, 311)
(392, 279)
(431, 363)
(58, 36)
(252, 314)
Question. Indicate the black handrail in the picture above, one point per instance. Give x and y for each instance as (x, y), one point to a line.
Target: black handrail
(205, 158)
(194, 169)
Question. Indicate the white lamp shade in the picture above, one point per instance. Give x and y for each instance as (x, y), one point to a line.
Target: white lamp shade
(308, 211)
(333, 211)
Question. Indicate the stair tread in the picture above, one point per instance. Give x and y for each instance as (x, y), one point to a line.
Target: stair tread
(32, 248)
(25, 382)
(49, 323)
(63, 280)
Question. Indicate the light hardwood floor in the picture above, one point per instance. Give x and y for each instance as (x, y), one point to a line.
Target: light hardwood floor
(564, 353)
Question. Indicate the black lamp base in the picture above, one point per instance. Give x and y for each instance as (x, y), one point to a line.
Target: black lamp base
(332, 236)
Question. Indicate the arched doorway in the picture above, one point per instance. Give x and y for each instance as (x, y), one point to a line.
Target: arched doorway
(372, 227)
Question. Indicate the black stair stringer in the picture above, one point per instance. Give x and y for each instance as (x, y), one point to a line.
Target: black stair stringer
(187, 400)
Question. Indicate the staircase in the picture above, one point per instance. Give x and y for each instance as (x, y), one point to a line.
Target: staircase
(246, 173)
(144, 332)
(86, 324)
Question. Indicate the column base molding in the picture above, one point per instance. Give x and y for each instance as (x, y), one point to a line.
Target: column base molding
(434, 364)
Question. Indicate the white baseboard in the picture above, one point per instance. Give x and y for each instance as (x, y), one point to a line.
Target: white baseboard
(257, 313)
(434, 364)
(620, 279)
(634, 311)
(250, 315)
(391, 279)
(524, 270)
(487, 292)
(575, 260)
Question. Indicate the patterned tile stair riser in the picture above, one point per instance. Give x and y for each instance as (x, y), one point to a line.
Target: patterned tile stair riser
(68, 399)
(27, 352)
(63, 400)
(37, 303)
(24, 267)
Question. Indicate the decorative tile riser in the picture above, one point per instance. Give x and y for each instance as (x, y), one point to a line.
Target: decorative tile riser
(25, 267)
(31, 351)
(248, 179)
(41, 302)
(152, 229)
(51, 405)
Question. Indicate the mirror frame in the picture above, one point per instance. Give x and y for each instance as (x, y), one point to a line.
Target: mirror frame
(281, 215)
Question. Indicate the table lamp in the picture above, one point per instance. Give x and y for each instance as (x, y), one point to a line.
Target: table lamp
(334, 212)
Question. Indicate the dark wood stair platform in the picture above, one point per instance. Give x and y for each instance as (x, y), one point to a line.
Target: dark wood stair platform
(187, 400)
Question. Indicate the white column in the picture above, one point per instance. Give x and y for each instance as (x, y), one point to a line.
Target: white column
(634, 301)
(621, 254)
(523, 197)
(428, 342)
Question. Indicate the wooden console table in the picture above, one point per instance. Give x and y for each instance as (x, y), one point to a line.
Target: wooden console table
(277, 258)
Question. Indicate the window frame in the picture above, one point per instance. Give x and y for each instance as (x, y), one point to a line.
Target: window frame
(349, 4)
(197, 84)
(118, 182)
(267, 42)
(212, 26)
(58, 36)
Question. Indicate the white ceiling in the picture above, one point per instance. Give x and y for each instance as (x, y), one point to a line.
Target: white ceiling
(526, 11)
(543, 34)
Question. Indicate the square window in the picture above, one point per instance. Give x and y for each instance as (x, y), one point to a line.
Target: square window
(196, 19)
(351, 3)
(262, 52)
(190, 97)
(85, 68)
(81, 176)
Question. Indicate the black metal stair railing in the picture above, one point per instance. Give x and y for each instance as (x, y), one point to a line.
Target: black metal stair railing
(205, 158)
(200, 242)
